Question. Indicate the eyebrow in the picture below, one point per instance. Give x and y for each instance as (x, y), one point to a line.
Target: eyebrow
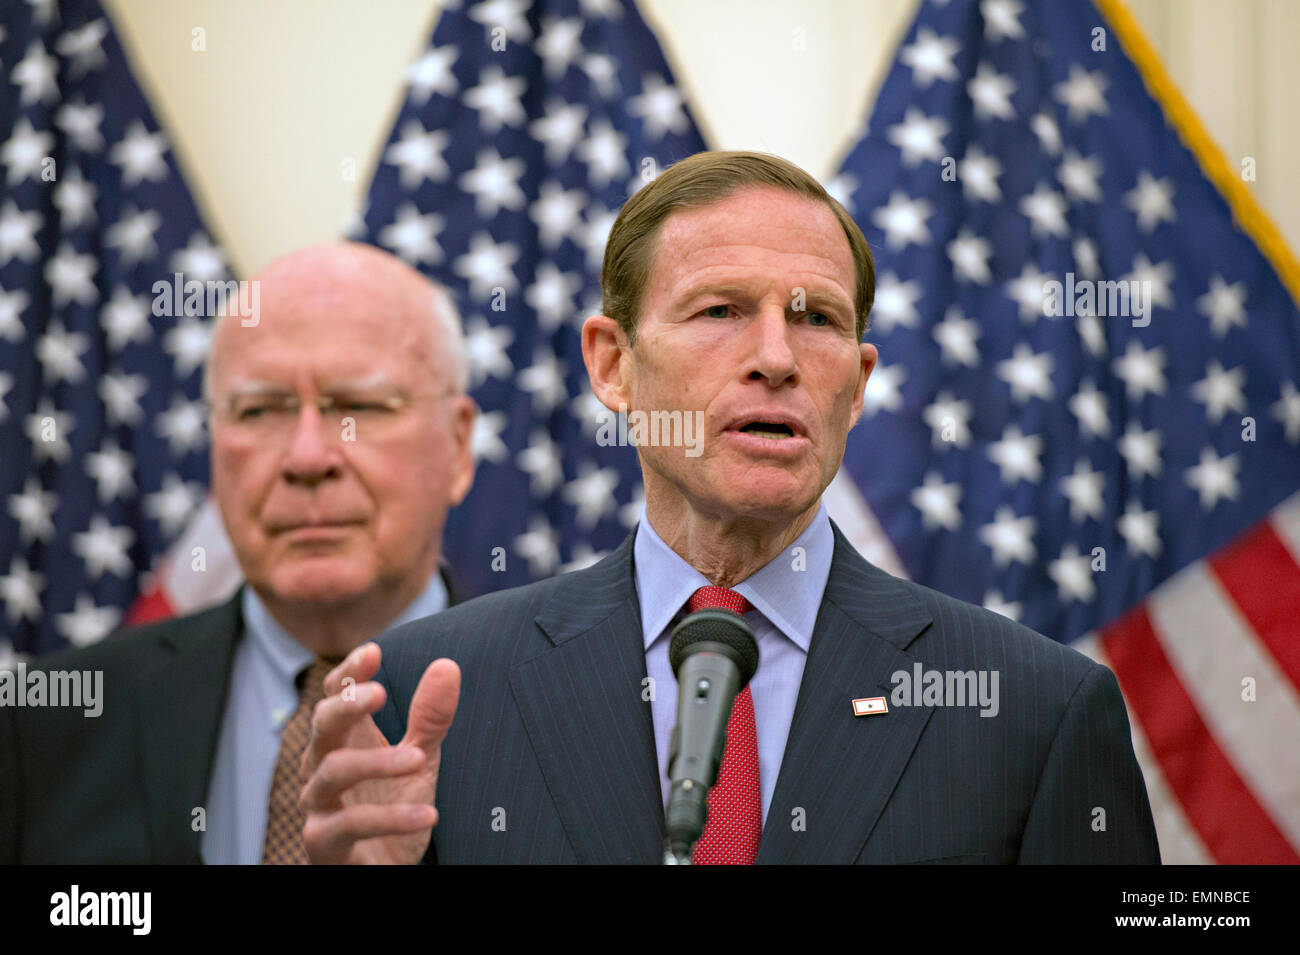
(370, 382)
(815, 298)
(827, 300)
(707, 291)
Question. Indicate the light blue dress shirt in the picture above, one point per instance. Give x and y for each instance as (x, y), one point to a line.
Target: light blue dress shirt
(786, 594)
(263, 695)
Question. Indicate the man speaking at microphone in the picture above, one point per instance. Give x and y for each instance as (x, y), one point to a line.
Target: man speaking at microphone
(734, 287)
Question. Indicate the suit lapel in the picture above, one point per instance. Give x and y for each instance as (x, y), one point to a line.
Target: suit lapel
(593, 735)
(839, 770)
(178, 703)
(581, 703)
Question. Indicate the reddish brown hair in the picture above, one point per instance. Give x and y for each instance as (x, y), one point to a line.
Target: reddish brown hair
(702, 180)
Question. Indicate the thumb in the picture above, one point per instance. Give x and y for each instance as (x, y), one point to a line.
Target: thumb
(433, 707)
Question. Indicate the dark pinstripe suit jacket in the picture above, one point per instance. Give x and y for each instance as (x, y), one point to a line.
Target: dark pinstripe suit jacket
(551, 757)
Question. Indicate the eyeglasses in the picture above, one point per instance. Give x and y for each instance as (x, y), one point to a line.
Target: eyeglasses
(349, 415)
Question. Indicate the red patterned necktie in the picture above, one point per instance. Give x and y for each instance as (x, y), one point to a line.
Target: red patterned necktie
(736, 802)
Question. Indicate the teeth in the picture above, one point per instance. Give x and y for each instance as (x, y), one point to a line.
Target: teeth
(770, 435)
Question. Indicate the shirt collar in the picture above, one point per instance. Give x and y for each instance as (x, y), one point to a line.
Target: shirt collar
(433, 599)
(288, 657)
(285, 655)
(787, 590)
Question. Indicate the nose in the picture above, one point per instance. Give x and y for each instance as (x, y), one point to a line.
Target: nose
(311, 457)
(773, 360)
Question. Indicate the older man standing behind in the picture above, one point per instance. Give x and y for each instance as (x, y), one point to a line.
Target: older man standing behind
(341, 437)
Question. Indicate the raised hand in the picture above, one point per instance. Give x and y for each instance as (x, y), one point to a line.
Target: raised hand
(365, 800)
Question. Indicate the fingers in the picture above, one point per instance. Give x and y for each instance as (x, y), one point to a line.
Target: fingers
(350, 707)
(433, 707)
(330, 837)
(344, 768)
(347, 758)
(359, 666)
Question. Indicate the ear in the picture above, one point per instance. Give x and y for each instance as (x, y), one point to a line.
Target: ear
(462, 421)
(604, 346)
(869, 356)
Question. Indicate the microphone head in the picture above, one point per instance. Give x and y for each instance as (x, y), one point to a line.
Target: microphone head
(724, 632)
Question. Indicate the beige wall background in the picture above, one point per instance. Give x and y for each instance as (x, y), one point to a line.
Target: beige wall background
(279, 119)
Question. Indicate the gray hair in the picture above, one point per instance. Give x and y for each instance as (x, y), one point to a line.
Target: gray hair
(453, 336)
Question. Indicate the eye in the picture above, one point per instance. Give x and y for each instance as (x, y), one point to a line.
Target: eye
(817, 318)
(718, 311)
(260, 410)
(371, 409)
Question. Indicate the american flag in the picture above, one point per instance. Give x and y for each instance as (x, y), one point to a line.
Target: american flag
(103, 449)
(1124, 482)
(524, 130)
(1126, 486)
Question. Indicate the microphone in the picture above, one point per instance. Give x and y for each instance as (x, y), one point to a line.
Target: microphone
(713, 655)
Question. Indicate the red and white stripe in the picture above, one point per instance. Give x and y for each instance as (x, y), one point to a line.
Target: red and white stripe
(1223, 772)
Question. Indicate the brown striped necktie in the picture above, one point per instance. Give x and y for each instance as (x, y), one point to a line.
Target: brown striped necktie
(283, 843)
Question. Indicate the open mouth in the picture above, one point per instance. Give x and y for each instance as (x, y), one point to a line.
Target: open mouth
(772, 430)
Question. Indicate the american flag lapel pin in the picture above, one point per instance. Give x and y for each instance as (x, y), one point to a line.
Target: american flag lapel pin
(871, 706)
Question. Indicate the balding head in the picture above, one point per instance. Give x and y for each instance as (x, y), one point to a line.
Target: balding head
(341, 433)
(338, 276)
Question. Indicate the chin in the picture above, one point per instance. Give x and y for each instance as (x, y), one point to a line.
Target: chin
(320, 580)
(772, 500)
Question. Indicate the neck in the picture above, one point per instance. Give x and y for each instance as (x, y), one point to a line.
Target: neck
(725, 548)
(336, 628)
